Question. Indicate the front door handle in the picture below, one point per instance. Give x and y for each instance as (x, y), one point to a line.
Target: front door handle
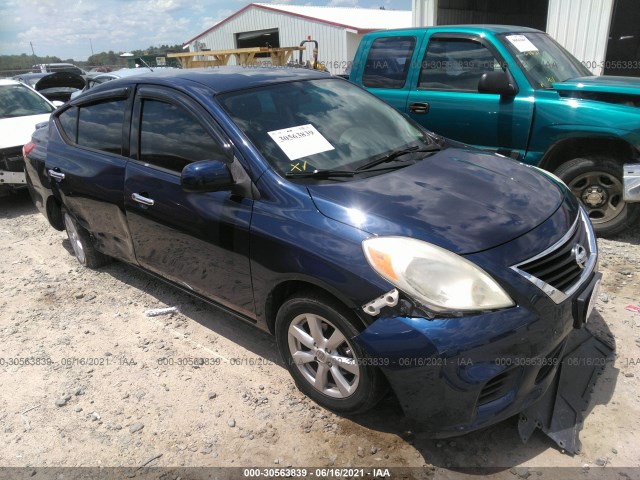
(59, 176)
(136, 197)
(419, 107)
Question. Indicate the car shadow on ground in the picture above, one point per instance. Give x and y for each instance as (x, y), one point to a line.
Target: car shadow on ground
(496, 448)
(219, 322)
(631, 235)
(16, 204)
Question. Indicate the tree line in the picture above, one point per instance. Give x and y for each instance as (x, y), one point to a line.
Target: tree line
(24, 62)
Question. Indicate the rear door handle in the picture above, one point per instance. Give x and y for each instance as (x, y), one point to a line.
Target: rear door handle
(136, 197)
(57, 175)
(419, 107)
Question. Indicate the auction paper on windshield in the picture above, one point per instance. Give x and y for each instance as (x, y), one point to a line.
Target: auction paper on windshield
(522, 43)
(300, 141)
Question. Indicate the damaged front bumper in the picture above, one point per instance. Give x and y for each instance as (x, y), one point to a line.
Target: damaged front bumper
(631, 182)
(456, 375)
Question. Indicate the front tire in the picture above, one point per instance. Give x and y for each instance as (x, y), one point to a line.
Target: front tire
(314, 335)
(597, 183)
(83, 248)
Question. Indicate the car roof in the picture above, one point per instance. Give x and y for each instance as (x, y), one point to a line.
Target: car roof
(9, 81)
(124, 72)
(221, 79)
(466, 28)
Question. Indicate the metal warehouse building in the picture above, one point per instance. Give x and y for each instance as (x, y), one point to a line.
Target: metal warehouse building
(603, 34)
(337, 30)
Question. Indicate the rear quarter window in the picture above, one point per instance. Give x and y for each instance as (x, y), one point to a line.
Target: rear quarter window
(68, 123)
(100, 126)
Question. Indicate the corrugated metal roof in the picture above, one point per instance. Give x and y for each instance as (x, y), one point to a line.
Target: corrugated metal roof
(356, 18)
(361, 20)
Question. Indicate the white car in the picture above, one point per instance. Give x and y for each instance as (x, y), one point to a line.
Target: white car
(21, 109)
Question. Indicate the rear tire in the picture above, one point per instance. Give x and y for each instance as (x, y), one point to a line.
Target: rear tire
(314, 334)
(597, 183)
(83, 248)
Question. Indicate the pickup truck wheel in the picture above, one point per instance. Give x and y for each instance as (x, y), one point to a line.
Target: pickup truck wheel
(597, 183)
(314, 335)
(80, 241)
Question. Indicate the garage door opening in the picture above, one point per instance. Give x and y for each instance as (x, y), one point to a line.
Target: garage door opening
(259, 38)
(623, 48)
(524, 13)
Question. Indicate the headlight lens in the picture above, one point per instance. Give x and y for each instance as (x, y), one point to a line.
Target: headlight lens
(434, 276)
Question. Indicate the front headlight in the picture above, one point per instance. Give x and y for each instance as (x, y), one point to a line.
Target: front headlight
(436, 277)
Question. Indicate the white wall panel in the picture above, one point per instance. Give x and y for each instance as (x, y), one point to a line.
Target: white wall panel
(582, 27)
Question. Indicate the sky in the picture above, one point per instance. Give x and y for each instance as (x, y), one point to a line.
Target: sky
(69, 29)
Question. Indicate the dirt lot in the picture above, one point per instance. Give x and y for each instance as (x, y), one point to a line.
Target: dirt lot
(139, 406)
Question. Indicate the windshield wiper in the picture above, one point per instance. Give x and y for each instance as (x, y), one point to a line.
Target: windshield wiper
(392, 156)
(321, 174)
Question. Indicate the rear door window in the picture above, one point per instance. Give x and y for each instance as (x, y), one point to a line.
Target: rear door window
(388, 62)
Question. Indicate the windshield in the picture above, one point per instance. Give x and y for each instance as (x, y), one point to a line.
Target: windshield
(20, 101)
(320, 125)
(543, 60)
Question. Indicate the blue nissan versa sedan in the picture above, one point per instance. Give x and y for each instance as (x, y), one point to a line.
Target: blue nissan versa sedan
(378, 254)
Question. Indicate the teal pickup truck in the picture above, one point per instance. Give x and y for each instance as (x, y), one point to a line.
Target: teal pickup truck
(514, 90)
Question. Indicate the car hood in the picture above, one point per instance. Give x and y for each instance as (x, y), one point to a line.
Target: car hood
(600, 84)
(60, 80)
(458, 199)
(16, 131)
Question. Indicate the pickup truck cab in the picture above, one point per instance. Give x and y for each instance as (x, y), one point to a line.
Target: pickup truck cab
(516, 91)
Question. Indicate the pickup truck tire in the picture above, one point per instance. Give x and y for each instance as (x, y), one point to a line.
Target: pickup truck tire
(81, 244)
(597, 183)
(315, 338)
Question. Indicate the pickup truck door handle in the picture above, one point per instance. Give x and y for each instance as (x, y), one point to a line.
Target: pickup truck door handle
(136, 197)
(57, 175)
(419, 107)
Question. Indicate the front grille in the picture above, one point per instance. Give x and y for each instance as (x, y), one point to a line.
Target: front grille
(558, 270)
(11, 159)
(559, 267)
(498, 386)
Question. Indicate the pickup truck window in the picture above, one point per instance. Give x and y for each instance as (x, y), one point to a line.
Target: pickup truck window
(455, 64)
(100, 126)
(170, 137)
(542, 59)
(388, 62)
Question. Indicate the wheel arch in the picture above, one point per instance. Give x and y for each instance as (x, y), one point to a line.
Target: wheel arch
(579, 147)
(286, 288)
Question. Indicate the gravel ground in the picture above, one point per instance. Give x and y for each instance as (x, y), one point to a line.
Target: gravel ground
(139, 403)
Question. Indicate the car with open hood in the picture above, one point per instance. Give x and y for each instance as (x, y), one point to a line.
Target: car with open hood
(377, 253)
(57, 87)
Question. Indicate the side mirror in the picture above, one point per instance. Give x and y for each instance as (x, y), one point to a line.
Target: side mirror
(497, 82)
(206, 176)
